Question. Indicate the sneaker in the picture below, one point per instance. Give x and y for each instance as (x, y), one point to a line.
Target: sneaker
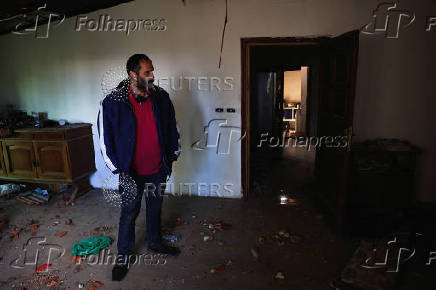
(164, 249)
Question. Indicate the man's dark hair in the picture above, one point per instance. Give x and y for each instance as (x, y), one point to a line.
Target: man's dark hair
(134, 62)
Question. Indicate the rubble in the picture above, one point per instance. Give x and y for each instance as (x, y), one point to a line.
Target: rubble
(178, 222)
(43, 267)
(219, 268)
(14, 233)
(94, 284)
(171, 238)
(4, 224)
(254, 253)
(279, 275)
(61, 234)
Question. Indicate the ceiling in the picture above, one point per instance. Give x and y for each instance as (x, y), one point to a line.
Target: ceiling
(17, 15)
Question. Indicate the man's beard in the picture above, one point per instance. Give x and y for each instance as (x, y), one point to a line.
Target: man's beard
(143, 85)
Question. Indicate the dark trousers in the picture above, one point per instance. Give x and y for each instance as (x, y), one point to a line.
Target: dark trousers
(130, 211)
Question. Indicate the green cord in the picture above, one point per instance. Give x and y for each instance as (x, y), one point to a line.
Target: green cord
(90, 246)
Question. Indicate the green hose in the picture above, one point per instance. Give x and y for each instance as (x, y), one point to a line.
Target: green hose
(90, 246)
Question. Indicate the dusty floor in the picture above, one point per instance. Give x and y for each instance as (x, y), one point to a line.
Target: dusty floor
(309, 258)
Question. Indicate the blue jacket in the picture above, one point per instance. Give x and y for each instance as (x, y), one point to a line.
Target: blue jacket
(117, 124)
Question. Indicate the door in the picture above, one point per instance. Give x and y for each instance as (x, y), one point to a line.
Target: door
(338, 80)
(267, 110)
(19, 158)
(52, 160)
(267, 121)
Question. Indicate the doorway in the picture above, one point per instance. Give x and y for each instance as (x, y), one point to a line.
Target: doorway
(283, 88)
(331, 65)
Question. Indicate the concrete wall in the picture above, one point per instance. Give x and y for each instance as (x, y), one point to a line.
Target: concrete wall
(62, 74)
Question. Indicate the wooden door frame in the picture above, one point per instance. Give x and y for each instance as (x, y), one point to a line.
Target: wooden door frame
(246, 44)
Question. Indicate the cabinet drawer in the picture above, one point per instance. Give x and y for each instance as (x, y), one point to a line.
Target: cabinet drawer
(57, 135)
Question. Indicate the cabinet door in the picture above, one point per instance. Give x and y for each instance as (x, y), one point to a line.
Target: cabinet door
(52, 160)
(19, 158)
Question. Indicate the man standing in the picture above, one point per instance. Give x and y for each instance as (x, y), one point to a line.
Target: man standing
(139, 137)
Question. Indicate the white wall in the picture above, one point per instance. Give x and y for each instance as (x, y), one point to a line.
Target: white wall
(292, 86)
(62, 74)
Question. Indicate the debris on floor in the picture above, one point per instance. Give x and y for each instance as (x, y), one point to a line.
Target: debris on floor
(283, 237)
(105, 229)
(212, 226)
(90, 246)
(36, 196)
(77, 260)
(254, 253)
(9, 188)
(61, 234)
(43, 267)
(285, 199)
(250, 240)
(45, 278)
(4, 224)
(94, 284)
(171, 238)
(279, 275)
(219, 268)
(14, 233)
(51, 281)
(178, 222)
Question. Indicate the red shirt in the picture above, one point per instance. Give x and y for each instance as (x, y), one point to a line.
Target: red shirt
(147, 157)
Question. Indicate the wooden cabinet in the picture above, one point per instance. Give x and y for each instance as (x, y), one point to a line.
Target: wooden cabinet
(61, 155)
